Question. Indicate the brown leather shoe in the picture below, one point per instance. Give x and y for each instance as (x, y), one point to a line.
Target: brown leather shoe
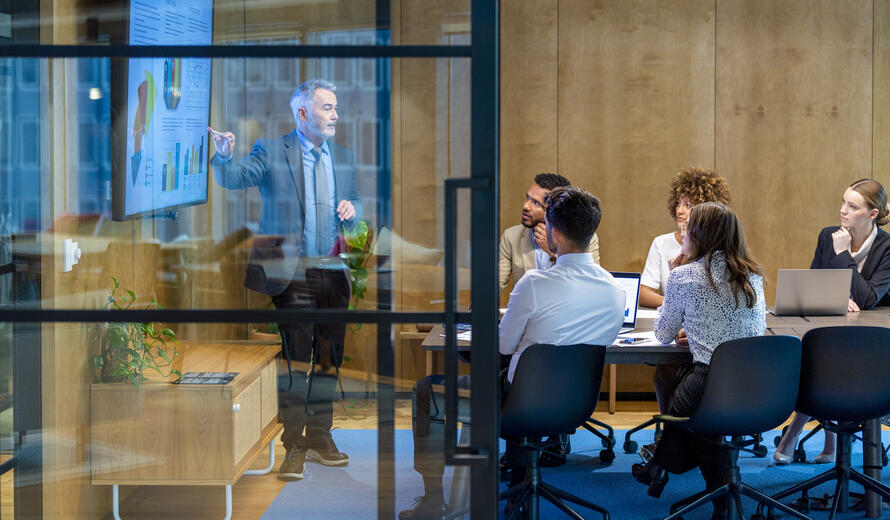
(323, 451)
(291, 468)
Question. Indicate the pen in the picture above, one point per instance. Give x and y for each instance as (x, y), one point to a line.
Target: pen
(214, 132)
(631, 341)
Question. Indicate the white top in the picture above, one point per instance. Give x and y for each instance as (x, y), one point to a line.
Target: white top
(862, 255)
(575, 301)
(709, 317)
(655, 274)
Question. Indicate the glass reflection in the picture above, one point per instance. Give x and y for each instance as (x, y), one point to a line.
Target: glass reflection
(398, 125)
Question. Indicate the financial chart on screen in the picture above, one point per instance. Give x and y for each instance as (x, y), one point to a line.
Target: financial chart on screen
(168, 109)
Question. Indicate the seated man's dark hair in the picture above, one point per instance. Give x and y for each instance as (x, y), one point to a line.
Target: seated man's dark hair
(548, 181)
(575, 213)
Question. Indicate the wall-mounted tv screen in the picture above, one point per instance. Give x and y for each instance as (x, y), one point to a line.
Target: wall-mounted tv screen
(162, 110)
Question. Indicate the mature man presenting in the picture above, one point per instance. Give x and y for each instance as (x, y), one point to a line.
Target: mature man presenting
(575, 301)
(309, 195)
(524, 246)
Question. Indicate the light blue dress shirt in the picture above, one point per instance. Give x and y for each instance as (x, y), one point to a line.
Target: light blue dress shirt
(542, 259)
(310, 227)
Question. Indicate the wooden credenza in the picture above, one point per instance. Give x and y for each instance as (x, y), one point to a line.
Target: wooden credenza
(160, 433)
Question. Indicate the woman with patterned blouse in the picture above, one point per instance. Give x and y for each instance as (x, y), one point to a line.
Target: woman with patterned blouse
(715, 296)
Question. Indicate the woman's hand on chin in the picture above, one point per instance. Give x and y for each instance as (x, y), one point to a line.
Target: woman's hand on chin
(841, 240)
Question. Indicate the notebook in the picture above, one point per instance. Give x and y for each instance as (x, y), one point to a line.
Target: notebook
(631, 284)
(812, 292)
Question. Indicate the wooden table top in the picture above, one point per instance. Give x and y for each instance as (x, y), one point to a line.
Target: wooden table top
(245, 357)
(655, 354)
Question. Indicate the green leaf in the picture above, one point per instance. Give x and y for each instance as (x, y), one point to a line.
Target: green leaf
(117, 282)
(356, 237)
(132, 294)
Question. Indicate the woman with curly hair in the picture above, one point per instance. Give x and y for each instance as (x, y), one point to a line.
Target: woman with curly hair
(856, 244)
(689, 187)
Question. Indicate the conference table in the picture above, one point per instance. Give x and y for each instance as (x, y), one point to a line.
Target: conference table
(651, 354)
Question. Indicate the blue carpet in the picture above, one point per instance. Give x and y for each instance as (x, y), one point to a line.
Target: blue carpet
(351, 491)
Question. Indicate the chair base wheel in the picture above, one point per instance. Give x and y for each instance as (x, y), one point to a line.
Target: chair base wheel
(760, 451)
(630, 446)
(607, 455)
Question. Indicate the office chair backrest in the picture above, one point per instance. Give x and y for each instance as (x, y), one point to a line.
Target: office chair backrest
(844, 373)
(751, 387)
(555, 389)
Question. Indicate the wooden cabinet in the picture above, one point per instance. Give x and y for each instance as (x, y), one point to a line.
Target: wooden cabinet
(166, 434)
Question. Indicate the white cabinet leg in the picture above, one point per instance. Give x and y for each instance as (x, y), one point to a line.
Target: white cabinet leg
(228, 502)
(115, 497)
(271, 462)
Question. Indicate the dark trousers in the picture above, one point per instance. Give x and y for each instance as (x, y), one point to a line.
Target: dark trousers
(305, 400)
(428, 429)
(428, 426)
(678, 450)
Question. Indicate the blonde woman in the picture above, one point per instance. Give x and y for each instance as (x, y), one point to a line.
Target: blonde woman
(859, 245)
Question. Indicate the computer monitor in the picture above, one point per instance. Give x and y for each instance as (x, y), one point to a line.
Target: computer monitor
(160, 112)
(631, 284)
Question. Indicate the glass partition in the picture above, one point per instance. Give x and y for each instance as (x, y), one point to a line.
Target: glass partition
(109, 419)
(248, 22)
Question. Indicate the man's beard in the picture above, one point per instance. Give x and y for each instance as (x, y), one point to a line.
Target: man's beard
(531, 224)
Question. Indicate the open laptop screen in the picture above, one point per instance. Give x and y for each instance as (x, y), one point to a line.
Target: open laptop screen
(813, 292)
(631, 284)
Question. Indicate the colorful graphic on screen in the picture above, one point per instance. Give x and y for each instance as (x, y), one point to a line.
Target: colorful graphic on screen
(167, 142)
(172, 82)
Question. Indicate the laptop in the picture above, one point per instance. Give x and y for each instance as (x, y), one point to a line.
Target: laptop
(812, 292)
(631, 284)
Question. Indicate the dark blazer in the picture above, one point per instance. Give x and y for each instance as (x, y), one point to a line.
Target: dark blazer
(275, 167)
(868, 288)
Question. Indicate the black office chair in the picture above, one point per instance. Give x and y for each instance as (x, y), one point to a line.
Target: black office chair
(555, 390)
(751, 387)
(844, 381)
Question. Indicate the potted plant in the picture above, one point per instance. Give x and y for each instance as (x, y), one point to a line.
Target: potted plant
(357, 245)
(122, 352)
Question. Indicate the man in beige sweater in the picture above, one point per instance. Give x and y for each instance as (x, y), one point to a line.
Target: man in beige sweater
(524, 246)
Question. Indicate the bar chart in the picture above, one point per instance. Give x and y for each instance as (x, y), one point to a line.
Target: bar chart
(181, 165)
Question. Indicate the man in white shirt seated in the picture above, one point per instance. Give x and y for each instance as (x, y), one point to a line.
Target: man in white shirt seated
(575, 301)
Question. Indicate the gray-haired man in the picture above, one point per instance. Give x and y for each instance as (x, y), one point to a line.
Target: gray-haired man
(309, 194)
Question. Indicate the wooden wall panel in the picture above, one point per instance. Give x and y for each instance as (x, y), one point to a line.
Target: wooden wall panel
(794, 127)
(636, 90)
(881, 93)
(529, 119)
(432, 101)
